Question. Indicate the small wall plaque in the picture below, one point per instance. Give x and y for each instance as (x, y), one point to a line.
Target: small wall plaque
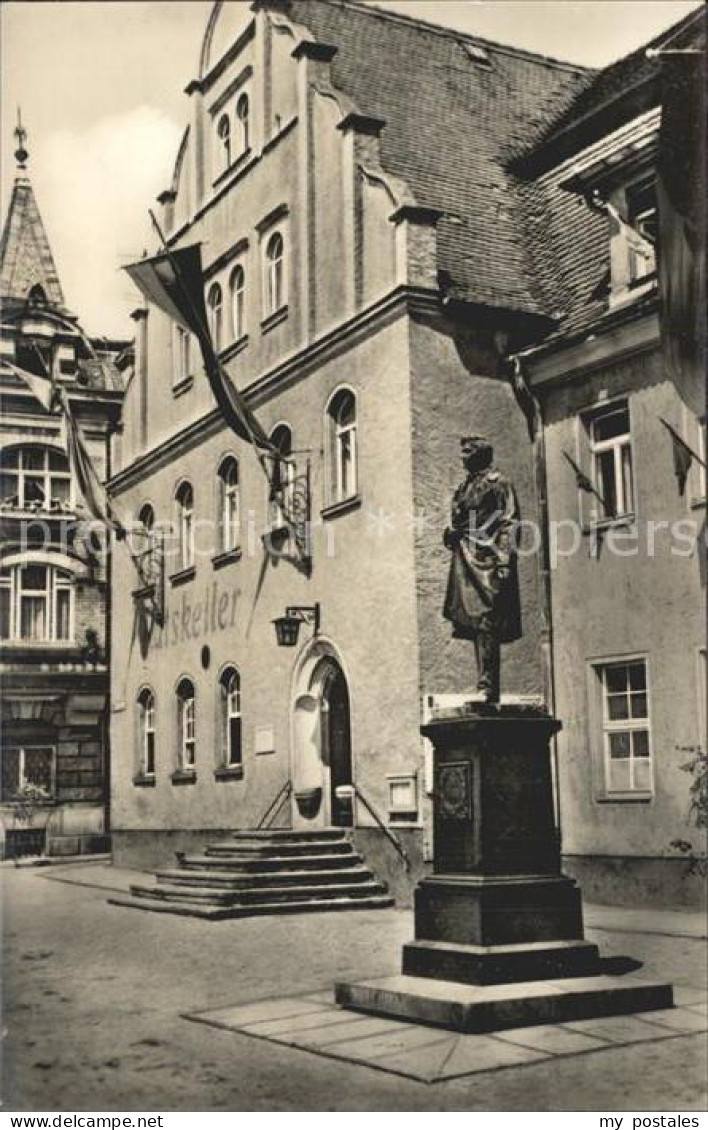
(264, 740)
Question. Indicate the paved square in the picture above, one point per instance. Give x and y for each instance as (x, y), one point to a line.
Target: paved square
(429, 1054)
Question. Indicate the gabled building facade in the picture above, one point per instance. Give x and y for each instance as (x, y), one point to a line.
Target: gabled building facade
(372, 259)
(54, 635)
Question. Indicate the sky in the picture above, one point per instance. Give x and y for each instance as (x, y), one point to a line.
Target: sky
(101, 87)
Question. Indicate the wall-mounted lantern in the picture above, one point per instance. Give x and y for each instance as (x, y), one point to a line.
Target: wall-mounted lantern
(287, 627)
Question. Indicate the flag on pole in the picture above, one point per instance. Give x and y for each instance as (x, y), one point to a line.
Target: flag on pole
(84, 473)
(683, 456)
(681, 212)
(173, 281)
(42, 388)
(584, 483)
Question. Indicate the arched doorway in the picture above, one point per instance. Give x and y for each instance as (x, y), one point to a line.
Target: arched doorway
(321, 740)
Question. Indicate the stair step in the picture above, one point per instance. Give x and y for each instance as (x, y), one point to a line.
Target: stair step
(266, 850)
(274, 863)
(247, 880)
(286, 835)
(219, 896)
(216, 913)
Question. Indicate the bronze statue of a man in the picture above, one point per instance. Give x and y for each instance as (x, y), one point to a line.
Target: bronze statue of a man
(482, 598)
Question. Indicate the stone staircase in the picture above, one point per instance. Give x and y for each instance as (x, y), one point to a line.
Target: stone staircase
(258, 873)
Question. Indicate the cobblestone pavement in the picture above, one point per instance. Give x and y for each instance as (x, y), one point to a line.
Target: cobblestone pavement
(94, 996)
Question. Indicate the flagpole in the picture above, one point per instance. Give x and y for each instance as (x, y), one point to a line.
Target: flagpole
(590, 488)
(203, 328)
(682, 441)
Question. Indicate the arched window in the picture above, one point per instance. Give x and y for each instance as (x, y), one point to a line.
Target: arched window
(186, 732)
(229, 508)
(215, 315)
(185, 525)
(342, 446)
(230, 720)
(238, 302)
(274, 274)
(36, 604)
(283, 478)
(146, 517)
(34, 478)
(243, 111)
(146, 732)
(223, 130)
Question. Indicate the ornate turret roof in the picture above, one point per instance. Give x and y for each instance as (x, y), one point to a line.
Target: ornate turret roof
(26, 259)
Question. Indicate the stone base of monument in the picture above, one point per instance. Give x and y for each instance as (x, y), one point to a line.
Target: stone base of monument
(492, 1008)
(498, 929)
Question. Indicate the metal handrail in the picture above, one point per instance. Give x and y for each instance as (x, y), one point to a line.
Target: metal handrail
(391, 836)
(275, 806)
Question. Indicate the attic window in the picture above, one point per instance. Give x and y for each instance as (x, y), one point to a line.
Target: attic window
(477, 54)
(36, 296)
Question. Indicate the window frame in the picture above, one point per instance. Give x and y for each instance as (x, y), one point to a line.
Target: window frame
(276, 516)
(229, 493)
(275, 291)
(215, 315)
(603, 726)
(57, 581)
(244, 121)
(230, 709)
(237, 302)
(21, 774)
(637, 275)
(616, 445)
(147, 727)
(181, 355)
(224, 144)
(45, 473)
(186, 725)
(185, 526)
(336, 494)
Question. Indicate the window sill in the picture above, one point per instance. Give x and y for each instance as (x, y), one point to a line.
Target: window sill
(183, 576)
(228, 557)
(622, 521)
(144, 780)
(182, 386)
(183, 776)
(229, 773)
(236, 347)
(242, 157)
(274, 319)
(344, 507)
(637, 797)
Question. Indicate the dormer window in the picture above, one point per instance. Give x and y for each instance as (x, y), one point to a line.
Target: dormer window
(642, 219)
(36, 296)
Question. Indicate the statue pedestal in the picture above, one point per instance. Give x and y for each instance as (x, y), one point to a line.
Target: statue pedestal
(497, 913)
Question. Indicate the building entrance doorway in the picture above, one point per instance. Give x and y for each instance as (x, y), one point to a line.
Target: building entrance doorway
(322, 761)
(336, 743)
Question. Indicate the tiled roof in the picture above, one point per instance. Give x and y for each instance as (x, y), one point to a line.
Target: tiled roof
(452, 124)
(568, 243)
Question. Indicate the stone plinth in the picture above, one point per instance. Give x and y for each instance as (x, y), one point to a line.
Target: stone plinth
(497, 925)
